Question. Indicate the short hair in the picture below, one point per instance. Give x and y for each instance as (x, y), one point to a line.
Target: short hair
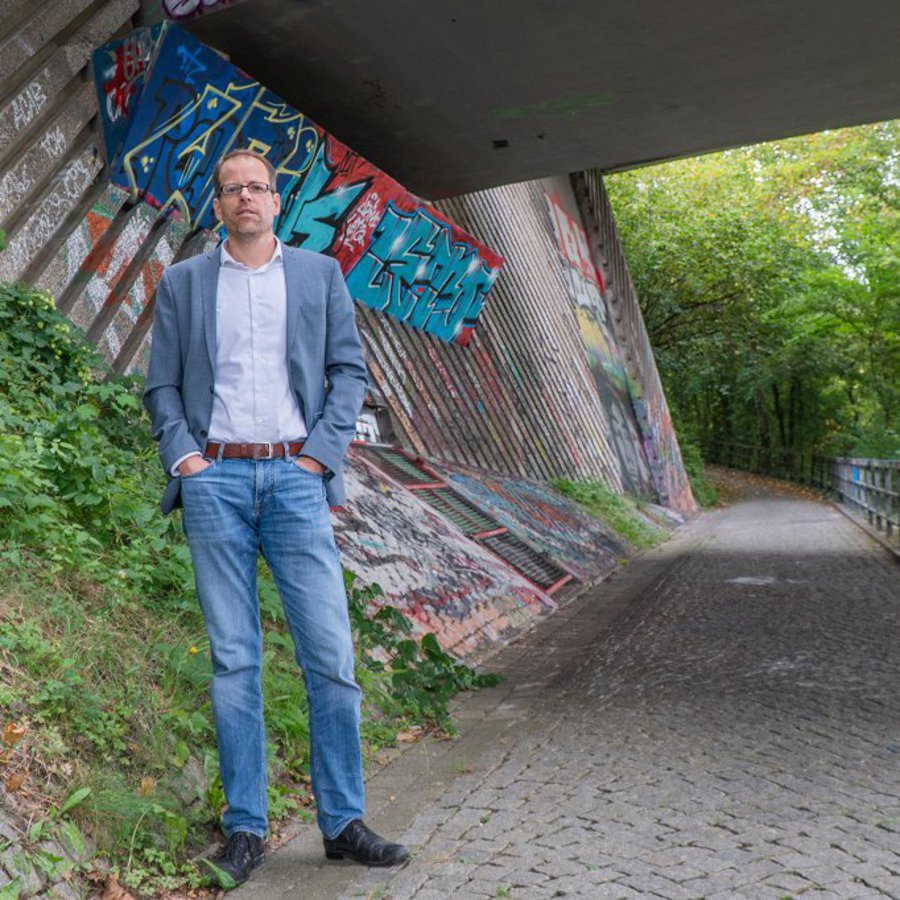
(217, 169)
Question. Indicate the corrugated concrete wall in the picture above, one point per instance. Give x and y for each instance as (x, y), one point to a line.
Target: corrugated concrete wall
(651, 411)
(50, 146)
(559, 378)
(519, 397)
(90, 245)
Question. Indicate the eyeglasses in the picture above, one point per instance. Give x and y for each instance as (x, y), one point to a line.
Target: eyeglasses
(233, 188)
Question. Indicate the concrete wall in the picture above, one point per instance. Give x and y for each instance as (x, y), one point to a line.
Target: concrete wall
(557, 377)
(94, 247)
(651, 412)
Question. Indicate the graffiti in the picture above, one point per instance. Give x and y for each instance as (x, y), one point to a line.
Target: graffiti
(583, 278)
(192, 106)
(360, 225)
(314, 205)
(119, 70)
(439, 579)
(572, 241)
(183, 10)
(585, 287)
(661, 447)
(367, 428)
(119, 80)
(27, 105)
(552, 523)
(189, 63)
(73, 254)
(413, 271)
(71, 182)
(53, 142)
(624, 436)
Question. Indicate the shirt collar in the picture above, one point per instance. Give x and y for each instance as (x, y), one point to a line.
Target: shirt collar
(226, 259)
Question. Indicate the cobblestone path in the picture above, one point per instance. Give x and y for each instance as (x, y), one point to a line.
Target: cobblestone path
(721, 719)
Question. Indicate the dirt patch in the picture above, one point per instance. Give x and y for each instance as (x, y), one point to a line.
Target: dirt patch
(734, 485)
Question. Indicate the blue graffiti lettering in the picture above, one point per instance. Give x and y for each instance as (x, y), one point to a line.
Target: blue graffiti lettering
(311, 214)
(189, 62)
(414, 272)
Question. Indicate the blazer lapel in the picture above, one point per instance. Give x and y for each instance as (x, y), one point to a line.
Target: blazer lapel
(210, 282)
(302, 328)
(303, 314)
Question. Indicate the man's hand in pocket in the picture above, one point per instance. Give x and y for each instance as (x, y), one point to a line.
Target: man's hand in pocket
(310, 464)
(192, 465)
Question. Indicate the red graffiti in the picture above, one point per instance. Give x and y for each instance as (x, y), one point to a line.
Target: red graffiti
(573, 243)
(129, 61)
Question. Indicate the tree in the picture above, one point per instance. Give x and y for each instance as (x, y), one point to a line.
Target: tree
(768, 278)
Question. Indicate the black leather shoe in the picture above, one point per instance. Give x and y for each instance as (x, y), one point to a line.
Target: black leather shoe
(359, 843)
(242, 854)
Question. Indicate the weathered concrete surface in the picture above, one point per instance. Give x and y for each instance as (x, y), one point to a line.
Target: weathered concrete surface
(721, 719)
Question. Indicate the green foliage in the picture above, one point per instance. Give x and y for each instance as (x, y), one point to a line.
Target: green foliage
(618, 512)
(769, 281)
(78, 475)
(421, 676)
(103, 656)
(704, 491)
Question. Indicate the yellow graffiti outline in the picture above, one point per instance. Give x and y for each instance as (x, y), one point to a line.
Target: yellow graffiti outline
(276, 113)
(176, 198)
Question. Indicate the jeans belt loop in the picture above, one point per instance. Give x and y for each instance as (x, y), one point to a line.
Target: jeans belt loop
(220, 451)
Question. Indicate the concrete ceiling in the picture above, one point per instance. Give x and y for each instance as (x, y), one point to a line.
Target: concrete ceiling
(450, 97)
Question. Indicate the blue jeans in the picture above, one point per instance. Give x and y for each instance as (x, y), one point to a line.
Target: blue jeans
(233, 510)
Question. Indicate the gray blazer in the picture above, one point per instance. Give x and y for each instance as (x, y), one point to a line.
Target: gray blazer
(325, 362)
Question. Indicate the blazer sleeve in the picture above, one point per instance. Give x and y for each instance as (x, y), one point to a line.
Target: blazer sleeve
(345, 370)
(163, 384)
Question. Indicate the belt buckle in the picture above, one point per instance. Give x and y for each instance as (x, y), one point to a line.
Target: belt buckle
(270, 451)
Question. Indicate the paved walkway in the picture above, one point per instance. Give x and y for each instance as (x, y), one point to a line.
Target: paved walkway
(720, 719)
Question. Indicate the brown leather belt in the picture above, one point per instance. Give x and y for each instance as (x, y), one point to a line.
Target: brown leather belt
(251, 451)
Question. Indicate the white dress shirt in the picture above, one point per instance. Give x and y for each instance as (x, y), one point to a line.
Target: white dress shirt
(253, 401)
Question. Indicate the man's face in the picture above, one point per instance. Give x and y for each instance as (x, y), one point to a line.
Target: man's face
(246, 213)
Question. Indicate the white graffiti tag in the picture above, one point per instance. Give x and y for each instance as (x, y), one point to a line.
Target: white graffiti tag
(360, 224)
(28, 104)
(181, 9)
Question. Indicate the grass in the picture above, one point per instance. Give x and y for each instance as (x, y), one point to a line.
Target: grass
(618, 512)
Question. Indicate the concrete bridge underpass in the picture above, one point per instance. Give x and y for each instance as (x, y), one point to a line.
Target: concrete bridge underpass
(504, 340)
(506, 349)
(453, 98)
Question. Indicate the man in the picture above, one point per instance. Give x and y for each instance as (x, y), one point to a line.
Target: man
(252, 439)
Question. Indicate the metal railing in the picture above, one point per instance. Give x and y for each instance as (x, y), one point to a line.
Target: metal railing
(870, 488)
